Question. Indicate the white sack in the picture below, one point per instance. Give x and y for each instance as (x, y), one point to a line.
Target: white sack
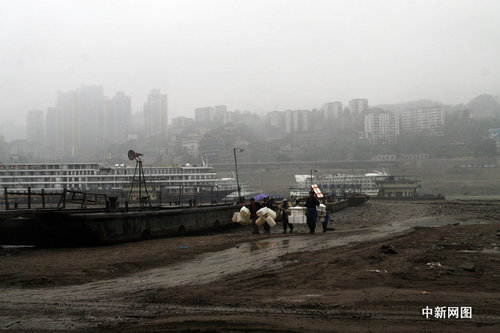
(297, 219)
(235, 217)
(270, 221)
(262, 212)
(243, 220)
(245, 211)
(260, 221)
(271, 213)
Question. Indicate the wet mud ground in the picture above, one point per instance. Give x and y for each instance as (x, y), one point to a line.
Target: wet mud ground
(383, 263)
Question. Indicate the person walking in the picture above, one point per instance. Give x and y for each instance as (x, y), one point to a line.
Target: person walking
(325, 222)
(327, 216)
(312, 213)
(267, 203)
(254, 207)
(284, 209)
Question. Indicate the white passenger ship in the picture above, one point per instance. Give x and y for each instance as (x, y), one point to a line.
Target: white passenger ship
(374, 184)
(340, 184)
(95, 177)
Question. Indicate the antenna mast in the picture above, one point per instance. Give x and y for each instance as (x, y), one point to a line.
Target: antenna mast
(132, 155)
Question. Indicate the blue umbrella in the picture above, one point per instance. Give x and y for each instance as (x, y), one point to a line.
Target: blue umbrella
(261, 196)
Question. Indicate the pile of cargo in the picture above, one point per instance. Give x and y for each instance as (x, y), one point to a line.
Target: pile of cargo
(242, 217)
(321, 213)
(298, 214)
(265, 215)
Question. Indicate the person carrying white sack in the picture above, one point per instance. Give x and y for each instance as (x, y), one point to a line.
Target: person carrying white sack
(268, 204)
(284, 209)
(254, 207)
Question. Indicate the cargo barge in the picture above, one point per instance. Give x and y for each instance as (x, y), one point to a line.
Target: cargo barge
(82, 227)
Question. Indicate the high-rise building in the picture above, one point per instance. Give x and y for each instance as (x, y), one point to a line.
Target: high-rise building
(429, 120)
(276, 119)
(380, 126)
(358, 105)
(155, 114)
(204, 115)
(230, 117)
(118, 118)
(332, 110)
(301, 120)
(68, 121)
(296, 121)
(51, 128)
(182, 122)
(219, 113)
(289, 121)
(81, 119)
(214, 115)
(35, 128)
(92, 108)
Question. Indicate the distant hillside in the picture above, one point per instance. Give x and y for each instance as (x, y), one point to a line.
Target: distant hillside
(484, 106)
(421, 103)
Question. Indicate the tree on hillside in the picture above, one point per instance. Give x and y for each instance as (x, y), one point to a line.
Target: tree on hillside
(484, 106)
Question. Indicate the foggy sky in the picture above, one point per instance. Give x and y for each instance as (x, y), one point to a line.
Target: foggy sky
(249, 55)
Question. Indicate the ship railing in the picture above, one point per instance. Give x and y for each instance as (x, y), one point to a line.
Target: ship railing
(82, 198)
(13, 199)
(195, 197)
(31, 198)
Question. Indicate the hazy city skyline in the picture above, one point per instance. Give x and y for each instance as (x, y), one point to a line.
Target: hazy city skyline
(248, 55)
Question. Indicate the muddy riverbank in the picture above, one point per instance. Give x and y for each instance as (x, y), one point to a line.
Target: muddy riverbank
(374, 272)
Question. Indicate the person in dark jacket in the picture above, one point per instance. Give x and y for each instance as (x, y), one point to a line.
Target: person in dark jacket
(312, 213)
(284, 209)
(267, 203)
(254, 207)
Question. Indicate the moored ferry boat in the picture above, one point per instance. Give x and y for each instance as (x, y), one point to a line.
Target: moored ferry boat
(373, 184)
(116, 179)
(76, 223)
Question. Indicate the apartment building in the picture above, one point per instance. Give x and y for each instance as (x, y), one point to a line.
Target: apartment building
(380, 126)
(428, 120)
